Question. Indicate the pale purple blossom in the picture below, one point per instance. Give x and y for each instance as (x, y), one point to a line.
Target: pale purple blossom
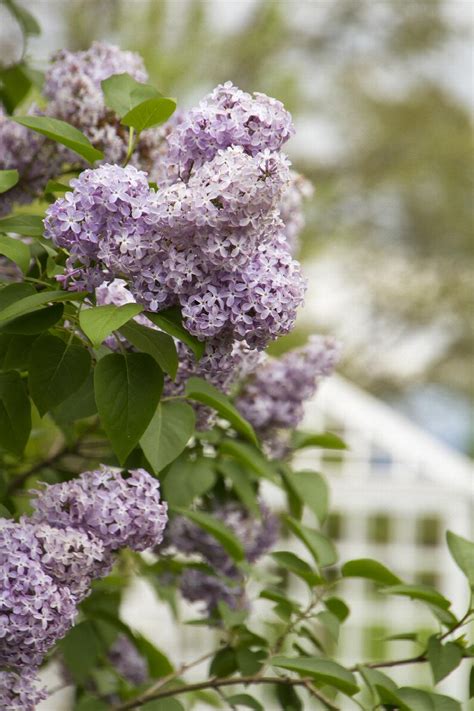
(119, 509)
(19, 690)
(273, 398)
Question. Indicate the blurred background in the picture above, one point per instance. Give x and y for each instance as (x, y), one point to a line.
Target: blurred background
(381, 93)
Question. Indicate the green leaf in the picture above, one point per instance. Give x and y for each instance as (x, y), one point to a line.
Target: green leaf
(216, 528)
(290, 561)
(14, 292)
(471, 683)
(79, 405)
(53, 186)
(127, 391)
(462, 552)
(8, 178)
(169, 704)
(312, 489)
(157, 344)
(27, 21)
(171, 321)
(158, 663)
(224, 663)
(16, 250)
(202, 391)
(28, 225)
(330, 622)
(288, 698)
(321, 548)
(244, 700)
(57, 369)
(63, 133)
(338, 607)
(250, 457)
(424, 593)
(90, 703)
(241, 483)
(168, 433)
(15, 413)
(15, 351)
(370, 569)
(122, 92)
(98, 322)
(28, 304)
(324, 671)
(443, 658)
(249, 661)
(81, 649)
(14, 86)
(187, 479)
(374, 677)
(326, 440)
(149, 113)
(409, 699)
(36, 322)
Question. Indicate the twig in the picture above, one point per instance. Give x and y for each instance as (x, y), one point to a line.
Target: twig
(217, 683)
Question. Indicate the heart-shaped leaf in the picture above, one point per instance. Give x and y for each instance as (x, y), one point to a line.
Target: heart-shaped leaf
(168, 433)
(98, 322)
(149, 113)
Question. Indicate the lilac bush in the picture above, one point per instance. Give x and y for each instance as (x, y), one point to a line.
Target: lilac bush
(137, 298)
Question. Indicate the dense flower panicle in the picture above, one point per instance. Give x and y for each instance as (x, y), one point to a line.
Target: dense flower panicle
(273, 398)
(35, 611)
(198, 586)
(119, 511)
(226, 117)
(18, 690)
(291, 208)
(235, 282)
(256, 535)
(256, 304)
(71, 557)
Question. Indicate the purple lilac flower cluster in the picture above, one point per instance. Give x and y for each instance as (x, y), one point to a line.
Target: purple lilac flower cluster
(18, 691)
(48, 561)
(273, 398)
(256, 535)
(215, 245)
(119, 510)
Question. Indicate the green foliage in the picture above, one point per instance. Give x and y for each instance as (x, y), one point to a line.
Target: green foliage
(218, 530)
(8, 178)
(122, 93)
(149, 113)
(127, 391)
(370, 569)
(157, 344)
(443, 658)
(462, 551)
(187, 479)
(63, 133)
(15, 414)
(57, 369)
(98, 322)
(167, 434)
(170, 321)
(201, 391)
(323, 671)
(15, 250)
(28, 225)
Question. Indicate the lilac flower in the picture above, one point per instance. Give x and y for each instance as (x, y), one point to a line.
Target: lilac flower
(128, 661)
(18, 690)
(227, 117)
(119, 510)
(274, 397)
(198, 586)
(35, 611)
(256, 535)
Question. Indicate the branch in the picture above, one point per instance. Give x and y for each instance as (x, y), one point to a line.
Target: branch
(216, 683)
